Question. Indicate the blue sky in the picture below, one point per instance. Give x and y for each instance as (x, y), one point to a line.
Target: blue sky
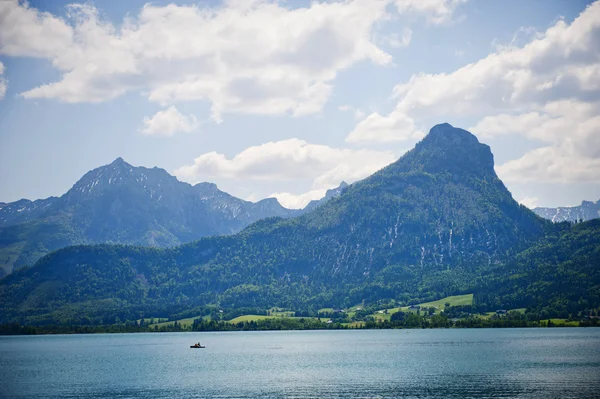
(288, 98)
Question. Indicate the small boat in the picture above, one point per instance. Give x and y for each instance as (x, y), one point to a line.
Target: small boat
(197, 346)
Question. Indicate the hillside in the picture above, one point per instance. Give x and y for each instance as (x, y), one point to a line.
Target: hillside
(558, 276)
(123, 204)
(430, 225)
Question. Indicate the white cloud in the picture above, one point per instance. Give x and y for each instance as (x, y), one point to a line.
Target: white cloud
(397, 41)
(504, 124)
(547, 90)
(26, 32)
(570, 132)
(562, 63)
(436, 11)
(298, 201)
(530, 202)
(551, 164)
(168, 122)
(3, 84)
(254, 57)
(384, 129)
(288, 160)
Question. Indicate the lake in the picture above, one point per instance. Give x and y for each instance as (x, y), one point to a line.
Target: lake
(454, 363)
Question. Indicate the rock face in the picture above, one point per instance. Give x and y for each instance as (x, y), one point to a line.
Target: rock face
(123, 204)
(434, 221)
(588, 210)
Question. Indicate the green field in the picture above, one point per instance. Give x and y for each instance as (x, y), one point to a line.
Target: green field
(282, 313)
(456, 300)
(251, 317)
(326, 310)
(487, 315)
(560, 323)
(382, 316)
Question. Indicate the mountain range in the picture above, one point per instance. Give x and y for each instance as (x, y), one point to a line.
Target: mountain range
(588, 210)
(123, 204)
(437, 222)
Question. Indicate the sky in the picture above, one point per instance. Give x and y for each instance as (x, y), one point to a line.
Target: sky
(287, 99)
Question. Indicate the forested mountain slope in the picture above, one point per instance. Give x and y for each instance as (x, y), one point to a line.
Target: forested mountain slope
(432, 224)
(558, 276)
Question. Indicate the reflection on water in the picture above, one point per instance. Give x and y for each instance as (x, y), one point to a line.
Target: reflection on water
(510, 363)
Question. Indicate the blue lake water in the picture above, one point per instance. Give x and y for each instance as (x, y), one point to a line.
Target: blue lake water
(505, 363)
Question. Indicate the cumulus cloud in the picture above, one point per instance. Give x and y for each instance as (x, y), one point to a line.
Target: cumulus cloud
(288, 160)
(255, 57)
(530, 202)
(547, 90)
(168, 122)
(551, 164)
(384, 129)
(26, 32)
(561, 63)
(570, 133)
(3, 83)
(436, 11)
(298, 201)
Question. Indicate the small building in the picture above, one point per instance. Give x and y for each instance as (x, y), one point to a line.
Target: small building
(501, 312)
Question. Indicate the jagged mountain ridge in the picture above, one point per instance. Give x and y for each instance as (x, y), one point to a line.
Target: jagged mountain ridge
(331, 193)
(436, 220)
(588, 210)
(120, 203)
(23, 210)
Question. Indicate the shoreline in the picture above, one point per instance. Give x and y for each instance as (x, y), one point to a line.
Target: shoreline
(74, 330)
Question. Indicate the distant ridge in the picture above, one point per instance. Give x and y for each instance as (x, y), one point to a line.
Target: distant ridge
(332, 193)
(588, 210)
(123, 204)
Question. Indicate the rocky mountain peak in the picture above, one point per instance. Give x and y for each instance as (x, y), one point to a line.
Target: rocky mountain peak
(119, 161)
(119, 173)
(447, 149)
(271, 201)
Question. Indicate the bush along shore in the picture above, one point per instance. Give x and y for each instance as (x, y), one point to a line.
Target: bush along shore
(398, 320)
